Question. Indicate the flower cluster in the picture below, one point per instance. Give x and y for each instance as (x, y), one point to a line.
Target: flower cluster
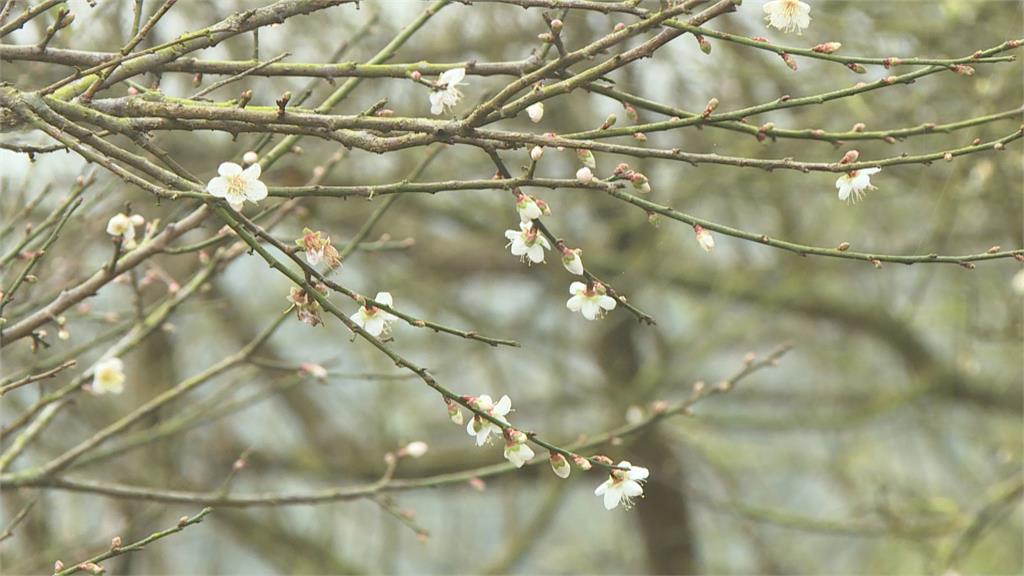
(375, 321)
(317, 247)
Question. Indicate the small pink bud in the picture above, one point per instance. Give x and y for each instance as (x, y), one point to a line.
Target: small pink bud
(582, 463)
(477, 484)
(789, 60)
(849, 157)
(416, 75)
(619, 27)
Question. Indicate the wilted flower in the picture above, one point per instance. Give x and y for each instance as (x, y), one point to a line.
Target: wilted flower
(373, 319)
(237, 185)
(622, 485)
(317, 247)
(529, 244)
(591, 301)
(446, 95)
(108, 376)
(481, 428)
(788, 15)
(307, 309)
(853, 184)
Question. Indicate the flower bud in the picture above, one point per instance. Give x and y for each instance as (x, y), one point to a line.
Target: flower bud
(619, 27)
(640, 182)
(581, 462)
(585, 175)
(556, 25)
(827, 47)
(849, 157)
(962, 69)
(703, 43)
(536, 152)
(115, 542)
(586, 157)
(857, 68)
(789, 60)
(704, 237)
(559, 465)
(535, 111)
(631, 113)
(416, 75)
(712, 104)
(858, 127)
(250, 157)
(843, 246)
(609, 121)
(414, 449)
(454, 414)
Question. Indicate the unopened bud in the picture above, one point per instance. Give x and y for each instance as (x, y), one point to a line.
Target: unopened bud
(586, 157)
(414, 449)
(843, 246)
(712, 104)
(619, 27)
(609, 121)
(58, 566)
(854, 67)
(640, 136)
(858, 127)
(556, 25)
(827, 47)
(962, 69)
(244, 98)
(582, 463)
(631, 112)
(703, 43)
(115, 542)
(789, 60)
(890, 62)
(250, 157)
(948, 157)
(850, 157)
(993, 250)
(416, 75)
(546, 37)
(559, 465)
(536, 152)
(976, 141)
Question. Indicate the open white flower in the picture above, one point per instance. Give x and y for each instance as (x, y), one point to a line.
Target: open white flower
(852, 185)
(535, 111)
(481, 428)
(593, 302)
(373, 319)
(446, 96)
(236, 185)
(529, 244)
(108, 376)
(788, 15)
(622, 486)
(122, 225)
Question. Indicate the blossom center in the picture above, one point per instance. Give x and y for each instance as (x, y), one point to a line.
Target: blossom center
(236, 185)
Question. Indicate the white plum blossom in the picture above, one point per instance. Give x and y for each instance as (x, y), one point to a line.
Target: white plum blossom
(559, 465)
(590, 301)
(704, 237)
(373, 319)
(481, 428)
(585, 175)
(446, 96)
(852, 185)
(535, 111)
(528, 243)
(622, 485)
(516, 450)
(108, 376)
(572, 261)
(124, 226)
(237, 185)
(788, 15)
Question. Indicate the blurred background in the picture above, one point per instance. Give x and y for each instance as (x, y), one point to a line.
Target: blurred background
(888, 440)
